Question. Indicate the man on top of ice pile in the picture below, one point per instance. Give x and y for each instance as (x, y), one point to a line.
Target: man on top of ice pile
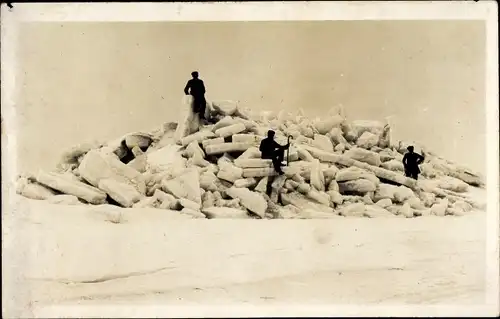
(411, 160)
(196, 88)
(270, 149)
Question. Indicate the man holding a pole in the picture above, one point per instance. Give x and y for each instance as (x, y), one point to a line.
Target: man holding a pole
(270, 149)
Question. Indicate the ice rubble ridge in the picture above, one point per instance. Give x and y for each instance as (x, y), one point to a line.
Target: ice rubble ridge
(213, 170)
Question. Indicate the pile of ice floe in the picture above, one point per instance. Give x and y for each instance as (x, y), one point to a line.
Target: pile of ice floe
(213, 170)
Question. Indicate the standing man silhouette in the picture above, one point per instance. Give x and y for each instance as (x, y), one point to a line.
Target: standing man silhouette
(196, 88)
(411, 160)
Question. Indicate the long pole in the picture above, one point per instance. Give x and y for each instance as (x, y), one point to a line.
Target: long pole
(288, 151)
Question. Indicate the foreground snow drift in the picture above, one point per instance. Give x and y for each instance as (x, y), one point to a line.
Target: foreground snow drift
(85, 255)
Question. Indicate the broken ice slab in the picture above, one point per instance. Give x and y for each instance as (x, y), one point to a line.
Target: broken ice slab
(253, 163)
(226, 147)
(347, 161)
(252, 201)
(247, 138)
(210, 141)
(230, 130)
(198, 137)
(263, 172)
(72, 187)
(124, 194)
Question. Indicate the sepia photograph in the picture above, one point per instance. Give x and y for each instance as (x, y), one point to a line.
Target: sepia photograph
(250, 159)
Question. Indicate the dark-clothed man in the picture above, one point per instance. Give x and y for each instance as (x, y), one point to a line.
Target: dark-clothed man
(411, 160)
(196, 88)
(270, 149)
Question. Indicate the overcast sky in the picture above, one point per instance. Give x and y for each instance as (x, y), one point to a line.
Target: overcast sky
(81, 81)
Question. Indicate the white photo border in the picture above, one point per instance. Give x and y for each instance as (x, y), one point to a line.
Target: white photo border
(268, 11)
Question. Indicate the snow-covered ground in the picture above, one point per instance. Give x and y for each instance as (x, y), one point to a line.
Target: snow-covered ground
(76, 255)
